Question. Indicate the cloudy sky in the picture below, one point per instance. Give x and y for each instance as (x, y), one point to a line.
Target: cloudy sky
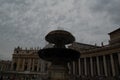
(26, 22)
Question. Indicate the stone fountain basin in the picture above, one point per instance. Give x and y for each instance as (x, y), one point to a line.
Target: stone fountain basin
(60, 36)
(59, 54)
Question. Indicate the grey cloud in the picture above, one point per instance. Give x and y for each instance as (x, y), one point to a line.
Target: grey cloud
(26, 22)
(109, 6)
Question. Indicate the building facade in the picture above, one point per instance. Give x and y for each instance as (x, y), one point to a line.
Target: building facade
(99, 62)
(5, 65)
(25, 65)
(95, 62)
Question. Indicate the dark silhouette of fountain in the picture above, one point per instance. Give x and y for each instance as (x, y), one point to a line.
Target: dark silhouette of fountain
(59, 55)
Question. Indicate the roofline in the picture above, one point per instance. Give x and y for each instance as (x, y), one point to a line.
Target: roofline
(114, 31)
(87, 44)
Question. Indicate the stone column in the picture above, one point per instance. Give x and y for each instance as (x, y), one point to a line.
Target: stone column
(105, 67)
(112, 65)
(23, 65)
(18, 64)
(119, 58)
(29, 65)
(41, 66)
(79, 67)
(73, 67)
(12, 65)
(70, 68)
(98, 66)
(38, 65)
(1, 67)
(5, 68)
(91, 66)
(85, 64)
(33, 65)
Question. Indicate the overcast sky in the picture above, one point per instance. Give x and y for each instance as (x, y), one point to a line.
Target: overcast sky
(26, 22)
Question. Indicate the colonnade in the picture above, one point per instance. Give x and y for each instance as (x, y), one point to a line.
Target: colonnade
(105, 65)
(29, 64)
(5, 66)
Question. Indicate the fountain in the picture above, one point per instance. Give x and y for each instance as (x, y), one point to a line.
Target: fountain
(59, 55)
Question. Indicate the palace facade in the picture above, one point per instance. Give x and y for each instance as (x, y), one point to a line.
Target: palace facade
(95, 62)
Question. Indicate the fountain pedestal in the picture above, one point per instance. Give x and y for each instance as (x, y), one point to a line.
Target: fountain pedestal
(58, 72)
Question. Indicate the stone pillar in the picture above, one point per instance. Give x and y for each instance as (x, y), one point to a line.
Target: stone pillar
(105, 67)
(112, 65)
(41, 66)
(1, 67)
(91, 66)
(38, 65)
(5, 67)
(18, 64)
(85, 64)
(12, 65)
(73, 67)
(59, 72)
(68, 64)
(98, 66)
(119, 58)
(23, 65)
(33, 65)
(79, 67)
(29, 65)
